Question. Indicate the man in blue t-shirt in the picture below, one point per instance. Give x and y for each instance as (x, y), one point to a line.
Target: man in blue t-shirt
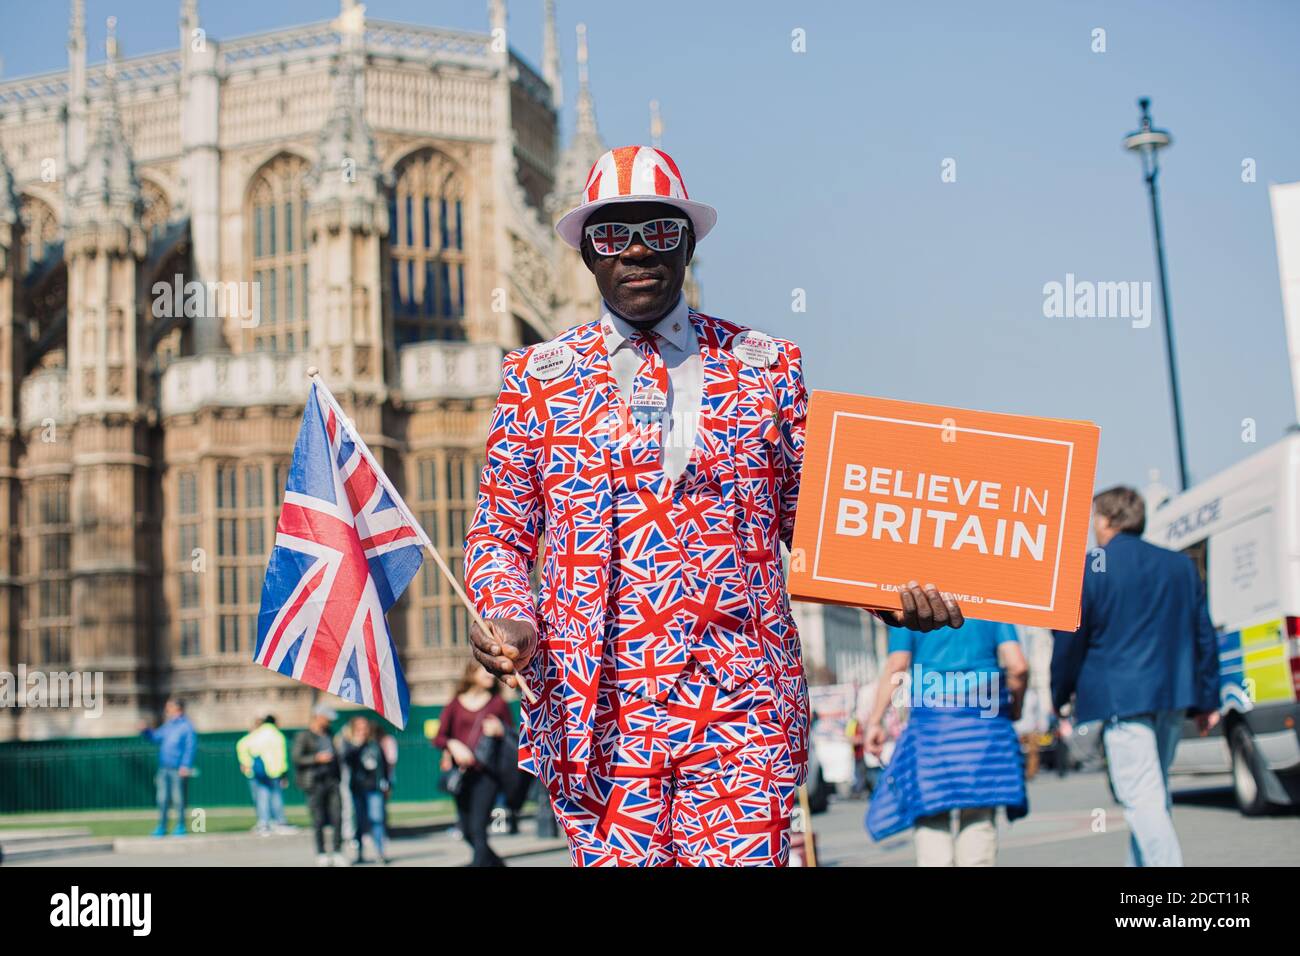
(974, 681)
(960, 668)
(177, 743)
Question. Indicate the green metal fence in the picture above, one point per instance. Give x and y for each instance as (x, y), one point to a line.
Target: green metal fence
(117, 773)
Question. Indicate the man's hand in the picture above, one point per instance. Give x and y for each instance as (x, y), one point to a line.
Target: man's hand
(924, 609)
(1207, 722)
(875, 740)
(508, 648)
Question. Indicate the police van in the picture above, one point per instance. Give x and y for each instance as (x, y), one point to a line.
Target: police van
(1242, 528)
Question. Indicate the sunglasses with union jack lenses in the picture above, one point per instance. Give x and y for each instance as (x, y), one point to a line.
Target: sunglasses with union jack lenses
(658, 235)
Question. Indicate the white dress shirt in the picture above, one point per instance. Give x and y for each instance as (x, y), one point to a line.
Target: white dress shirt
(681, 354)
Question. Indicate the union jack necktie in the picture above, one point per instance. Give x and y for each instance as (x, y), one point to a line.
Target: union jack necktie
(648, 402)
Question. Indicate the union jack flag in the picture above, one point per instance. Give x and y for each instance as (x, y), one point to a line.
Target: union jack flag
(346, 547)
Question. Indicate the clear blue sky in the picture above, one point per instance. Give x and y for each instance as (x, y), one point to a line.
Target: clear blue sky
(825, 167)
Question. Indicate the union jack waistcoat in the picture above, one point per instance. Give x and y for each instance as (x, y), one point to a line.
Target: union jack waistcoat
(547, 487)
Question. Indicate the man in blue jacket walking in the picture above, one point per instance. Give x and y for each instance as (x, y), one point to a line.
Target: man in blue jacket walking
(177, 743)
(1145, 655)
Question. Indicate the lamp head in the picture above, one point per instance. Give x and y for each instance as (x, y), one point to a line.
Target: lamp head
(1147, 140)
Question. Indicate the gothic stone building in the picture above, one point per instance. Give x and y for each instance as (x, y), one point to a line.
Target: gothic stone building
(388, 192)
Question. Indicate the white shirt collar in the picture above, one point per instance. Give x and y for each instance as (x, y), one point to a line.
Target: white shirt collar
(675, 327)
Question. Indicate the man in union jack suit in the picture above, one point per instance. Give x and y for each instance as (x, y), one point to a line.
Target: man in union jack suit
(652, 458)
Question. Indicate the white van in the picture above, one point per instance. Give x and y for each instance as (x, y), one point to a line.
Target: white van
(1242, 527)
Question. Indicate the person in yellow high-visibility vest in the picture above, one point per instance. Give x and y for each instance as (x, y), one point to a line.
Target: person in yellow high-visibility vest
(264, 758)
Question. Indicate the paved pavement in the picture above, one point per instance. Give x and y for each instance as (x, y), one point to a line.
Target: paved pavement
(441, 848)
(1064, 829)
(1072, 822)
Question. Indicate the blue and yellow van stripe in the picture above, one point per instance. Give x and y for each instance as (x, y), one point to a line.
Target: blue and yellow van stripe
(1254, 667)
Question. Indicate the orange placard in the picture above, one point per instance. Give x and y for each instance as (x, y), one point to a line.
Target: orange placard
(992, 509)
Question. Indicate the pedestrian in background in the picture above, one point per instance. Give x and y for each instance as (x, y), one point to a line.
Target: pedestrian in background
(501, 756)
(264, 759)
(316, 766)
(368, 782)
(177, 744)
(388, 743)
(959, 754)
(855, 732)
(475, 711)
(1145, 655)
(1061, 730)
(251, 767)
(1030, 728)
(343, 740)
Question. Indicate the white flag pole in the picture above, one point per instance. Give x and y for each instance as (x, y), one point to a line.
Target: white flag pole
(314, 374)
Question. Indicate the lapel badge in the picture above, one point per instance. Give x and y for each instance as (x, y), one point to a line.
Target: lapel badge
(550, 360)
(756, 349)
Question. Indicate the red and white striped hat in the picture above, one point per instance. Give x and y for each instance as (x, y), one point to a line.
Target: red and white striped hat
(634, 174)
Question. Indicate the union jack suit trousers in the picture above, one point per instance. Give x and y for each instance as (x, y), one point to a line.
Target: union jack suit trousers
(705, 772)
(703, 778)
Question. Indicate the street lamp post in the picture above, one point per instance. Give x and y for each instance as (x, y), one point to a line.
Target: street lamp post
(1147, 141)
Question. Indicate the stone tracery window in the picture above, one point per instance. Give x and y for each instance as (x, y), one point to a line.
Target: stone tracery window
(187, 522)
(40, 229)
(427, 230)
(156, 210)
(244, 538)
(47, 547)
(277, 246)
(446, 493)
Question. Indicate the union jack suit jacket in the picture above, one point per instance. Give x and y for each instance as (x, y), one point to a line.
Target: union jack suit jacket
(547, 481)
